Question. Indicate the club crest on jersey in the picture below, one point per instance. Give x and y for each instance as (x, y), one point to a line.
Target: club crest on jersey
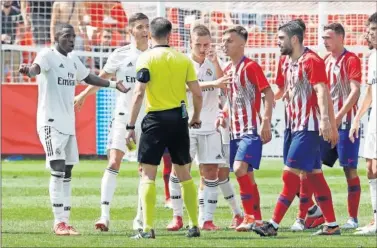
(209, 72)
(57, 151)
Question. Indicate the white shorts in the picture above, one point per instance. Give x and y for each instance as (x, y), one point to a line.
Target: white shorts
(117, 139)
(206, 149)
(58, 146)
(370, 146)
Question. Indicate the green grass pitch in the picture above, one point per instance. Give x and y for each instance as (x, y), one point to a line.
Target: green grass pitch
(27, 216)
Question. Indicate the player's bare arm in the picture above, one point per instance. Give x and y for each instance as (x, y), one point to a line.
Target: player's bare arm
(266, 121)
(350, 101)
(335, 135)
(97, 81)
(221, 83)
(323, 104)
(197, 102)
(354, 131)
(137, 101)
(223, 116)
(30, 70)
(212, 56)
(91, 89)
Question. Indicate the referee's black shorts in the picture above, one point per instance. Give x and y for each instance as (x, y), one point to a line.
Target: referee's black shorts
(164, 129)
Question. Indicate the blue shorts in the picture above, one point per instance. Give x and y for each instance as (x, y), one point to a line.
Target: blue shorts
(247, 149)
(302, 150)
(346, 151)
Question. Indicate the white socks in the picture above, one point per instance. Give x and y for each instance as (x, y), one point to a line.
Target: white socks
(57, 195)
(108, 186)
(228, 191)
(373, 196)
(210, 198)
(67, 199)
(176, 196)
(201, 206)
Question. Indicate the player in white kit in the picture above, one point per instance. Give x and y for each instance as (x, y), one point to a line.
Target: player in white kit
(58, 70)
(205, 142)
(370, 146)
(120, 63)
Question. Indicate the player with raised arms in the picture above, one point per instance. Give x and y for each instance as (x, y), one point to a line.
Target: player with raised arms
(58, 70)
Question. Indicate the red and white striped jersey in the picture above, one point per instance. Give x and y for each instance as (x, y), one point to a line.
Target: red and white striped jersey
(340, 72)
(248, 81)
(298, 79)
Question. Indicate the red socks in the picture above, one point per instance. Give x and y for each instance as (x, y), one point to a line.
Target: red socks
(290, 188)
(246, 192)
(323, 196)
(306, 197)
(166, 173)
(257, 212)
(353, 196)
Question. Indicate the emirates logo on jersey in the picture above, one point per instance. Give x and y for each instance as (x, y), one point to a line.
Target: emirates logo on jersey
(67, 82)
(209, 72)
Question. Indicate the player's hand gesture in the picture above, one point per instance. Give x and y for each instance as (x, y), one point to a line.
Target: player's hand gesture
(211, 55)
(325, 129)
(24, 69)
(220, 121)
(223, 82)
(121, 87)
(265, 132)
(354, 131)
(79, 101)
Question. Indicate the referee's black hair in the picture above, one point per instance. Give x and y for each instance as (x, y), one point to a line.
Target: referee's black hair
(160, 28)
(59, 29)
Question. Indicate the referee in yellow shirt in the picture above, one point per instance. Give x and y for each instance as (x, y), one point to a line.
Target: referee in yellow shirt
(163, 73)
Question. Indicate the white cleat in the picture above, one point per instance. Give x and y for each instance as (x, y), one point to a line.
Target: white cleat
(364, 227)
(298, 226)
(371, 230)
(137, 224)
(350, 224)
(102, 225)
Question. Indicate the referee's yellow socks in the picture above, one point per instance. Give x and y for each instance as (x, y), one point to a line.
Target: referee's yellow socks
(148, 199)
(190, 198)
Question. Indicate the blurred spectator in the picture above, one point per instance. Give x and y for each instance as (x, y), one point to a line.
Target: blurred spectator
(37, 15)
(73, 13)
(10, 18)
(103, 48)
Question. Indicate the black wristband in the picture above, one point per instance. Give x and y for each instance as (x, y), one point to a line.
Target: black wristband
(130, 127)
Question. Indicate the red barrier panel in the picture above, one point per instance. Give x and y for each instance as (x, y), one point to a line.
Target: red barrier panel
(18, 121)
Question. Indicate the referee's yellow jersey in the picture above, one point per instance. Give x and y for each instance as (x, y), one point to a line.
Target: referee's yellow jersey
(169, 70)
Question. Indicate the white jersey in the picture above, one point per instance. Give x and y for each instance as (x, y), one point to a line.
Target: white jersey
(56, 89)
(372, 80)
(122, 62)
(210, 109)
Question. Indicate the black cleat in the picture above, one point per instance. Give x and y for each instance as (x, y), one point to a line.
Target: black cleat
(144, 235)
(267, 229)
(193, 232)
(327, 230)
